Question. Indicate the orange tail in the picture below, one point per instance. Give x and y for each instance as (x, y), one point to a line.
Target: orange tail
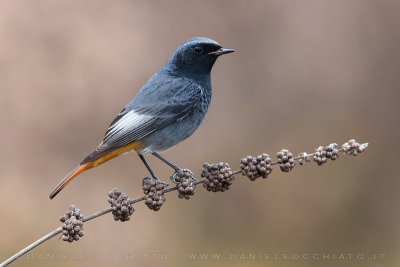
(94, 160)
(69, 178)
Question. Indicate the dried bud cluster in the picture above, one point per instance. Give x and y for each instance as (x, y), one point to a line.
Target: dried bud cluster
(332, 151)
(285, 160)
(122, 209)
(304, 157)
(218, 176)
(320, 155)
(353, 148)
(153, 189)
(185, 180)
(72, 227)
(256, 167)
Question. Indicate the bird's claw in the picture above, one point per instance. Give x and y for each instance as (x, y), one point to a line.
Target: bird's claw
(154, 178)
(173, 177)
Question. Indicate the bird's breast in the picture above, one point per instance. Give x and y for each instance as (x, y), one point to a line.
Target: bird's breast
(176, 132)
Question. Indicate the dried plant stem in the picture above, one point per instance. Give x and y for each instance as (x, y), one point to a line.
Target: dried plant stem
(31, 246)
(139, 199)
(85, 219)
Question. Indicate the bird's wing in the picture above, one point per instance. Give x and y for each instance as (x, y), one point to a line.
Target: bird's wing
(147, 114)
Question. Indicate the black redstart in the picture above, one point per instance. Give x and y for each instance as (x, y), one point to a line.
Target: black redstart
(166, 111)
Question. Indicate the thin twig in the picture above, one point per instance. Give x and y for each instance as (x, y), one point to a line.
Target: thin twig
(31, 246)
(131, 201)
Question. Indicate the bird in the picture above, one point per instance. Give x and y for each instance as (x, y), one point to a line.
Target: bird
(167, 109)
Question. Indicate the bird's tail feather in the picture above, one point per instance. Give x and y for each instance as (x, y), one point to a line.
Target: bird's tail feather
(93, 160)
(75, 172)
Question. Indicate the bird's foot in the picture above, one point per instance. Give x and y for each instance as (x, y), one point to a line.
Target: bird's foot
(146, 179)
(181, 173)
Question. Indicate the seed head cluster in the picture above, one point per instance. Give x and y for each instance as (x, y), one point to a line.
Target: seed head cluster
(154, 195)
(122, 209)
(322, 154)
(353, 148)
(332, 151)
(218, 176)
(185, 180)
(72, 225)
(285, 160)
(259, 166)
(304, 157)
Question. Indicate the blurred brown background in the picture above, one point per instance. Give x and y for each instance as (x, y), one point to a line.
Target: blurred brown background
(306, 73)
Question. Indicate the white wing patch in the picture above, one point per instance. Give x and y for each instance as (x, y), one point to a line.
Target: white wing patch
(128, 122)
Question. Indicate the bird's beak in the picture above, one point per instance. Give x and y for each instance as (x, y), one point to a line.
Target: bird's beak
(221, 51)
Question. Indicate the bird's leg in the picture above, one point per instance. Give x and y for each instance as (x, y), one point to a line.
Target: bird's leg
(165, 161)
(172, 178)
(147, 166)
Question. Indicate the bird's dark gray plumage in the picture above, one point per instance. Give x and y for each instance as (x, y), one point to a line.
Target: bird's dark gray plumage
(171, 105)
(166, 111)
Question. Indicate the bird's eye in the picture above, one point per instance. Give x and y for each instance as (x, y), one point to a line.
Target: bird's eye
(198, 49)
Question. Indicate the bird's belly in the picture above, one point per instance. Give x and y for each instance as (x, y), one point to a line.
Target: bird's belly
(172, 134)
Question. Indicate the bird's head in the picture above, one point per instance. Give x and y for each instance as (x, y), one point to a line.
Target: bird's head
(196, 55)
